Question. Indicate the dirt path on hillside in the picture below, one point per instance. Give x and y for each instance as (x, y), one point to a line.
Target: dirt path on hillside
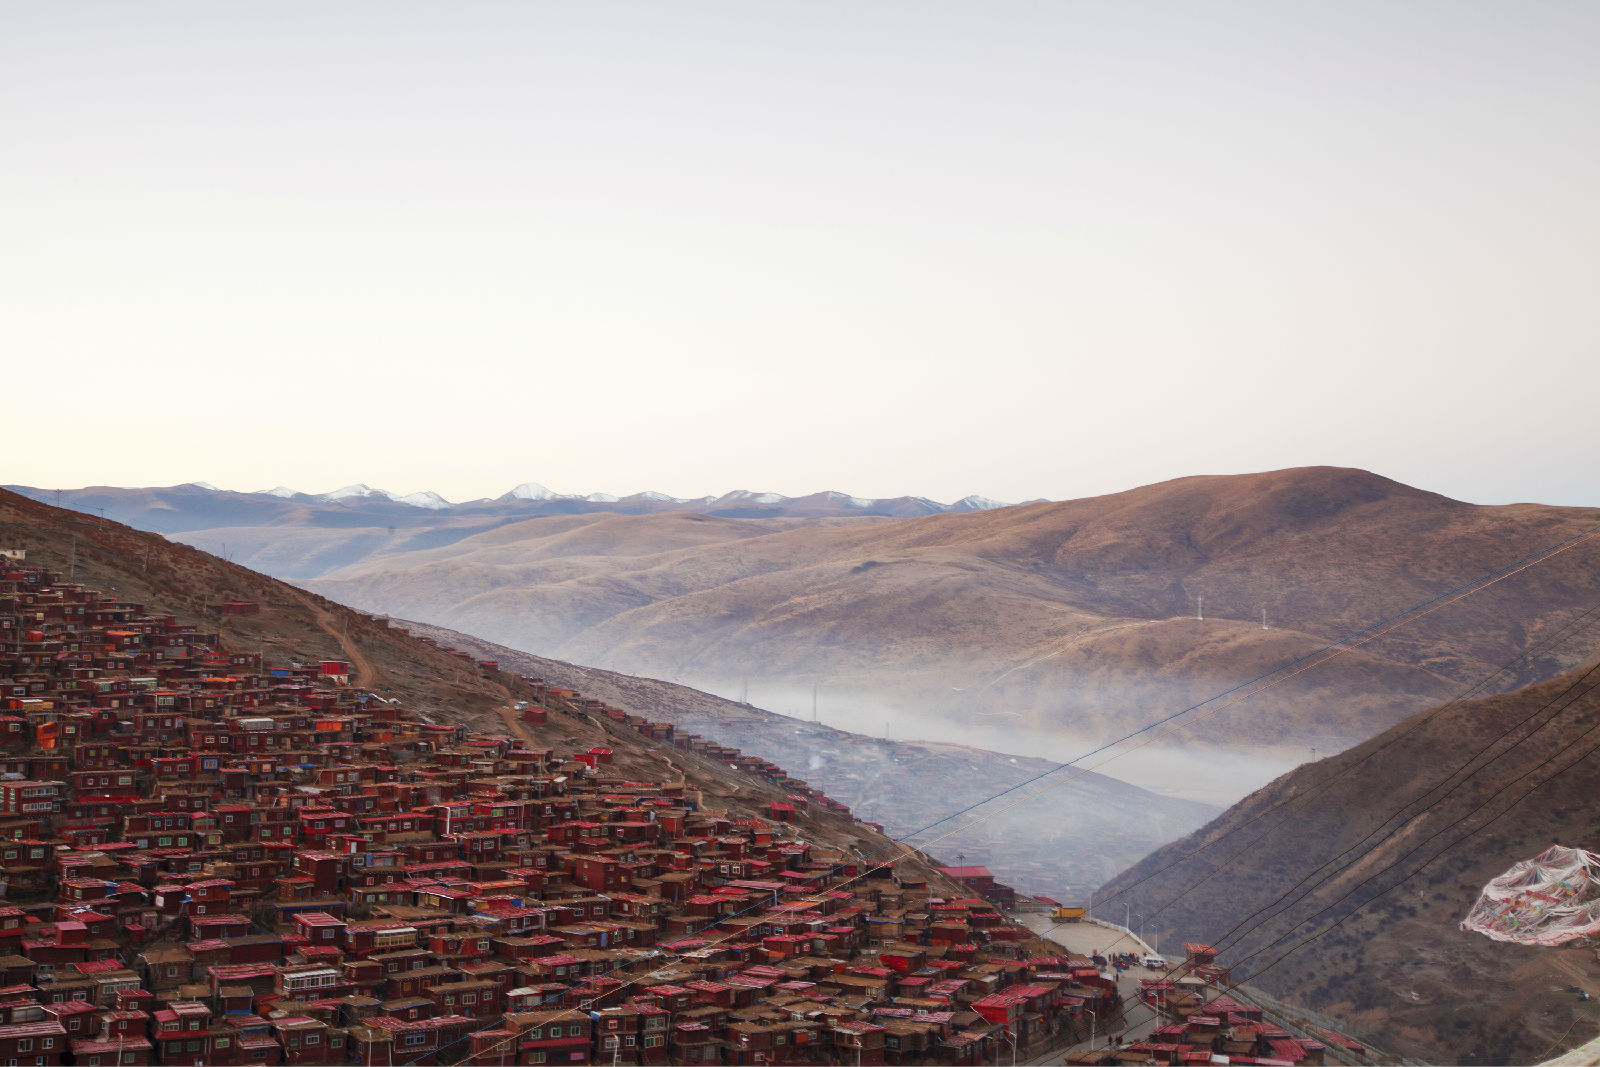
(515, 724)
(363, 672)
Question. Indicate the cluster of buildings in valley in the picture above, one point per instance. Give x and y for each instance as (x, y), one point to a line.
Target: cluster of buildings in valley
(1217, 1030)
(211, 860)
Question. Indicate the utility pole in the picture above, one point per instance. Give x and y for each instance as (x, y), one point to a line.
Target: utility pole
(1263, 618)
(813, 703)
(1200, 608)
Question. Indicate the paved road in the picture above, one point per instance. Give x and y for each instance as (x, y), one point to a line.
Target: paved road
(1089, 938)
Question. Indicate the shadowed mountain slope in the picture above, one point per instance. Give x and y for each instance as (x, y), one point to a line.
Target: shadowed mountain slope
(1382, 850)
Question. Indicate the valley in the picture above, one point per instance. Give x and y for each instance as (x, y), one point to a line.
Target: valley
(1084, 619)
(1062, 844)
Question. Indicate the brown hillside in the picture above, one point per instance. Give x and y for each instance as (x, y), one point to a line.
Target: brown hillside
(1398, 963)
(295, 625)
(1065, 614)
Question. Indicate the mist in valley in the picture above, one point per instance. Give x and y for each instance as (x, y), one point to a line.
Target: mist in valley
(1170, 767)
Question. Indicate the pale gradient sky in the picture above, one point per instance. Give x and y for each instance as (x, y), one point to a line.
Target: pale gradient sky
(1024, 250)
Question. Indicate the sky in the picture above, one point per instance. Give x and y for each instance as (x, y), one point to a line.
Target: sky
(1016, 249)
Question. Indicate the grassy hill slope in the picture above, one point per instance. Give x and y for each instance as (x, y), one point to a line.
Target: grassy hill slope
(1069, 616)
(1366, 862)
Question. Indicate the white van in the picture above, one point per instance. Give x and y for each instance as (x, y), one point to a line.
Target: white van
(1155, 963)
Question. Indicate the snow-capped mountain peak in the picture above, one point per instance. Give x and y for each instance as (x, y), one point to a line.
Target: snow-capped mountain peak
(425, 499)
(531, 491)
(535, 493)
(359, 491)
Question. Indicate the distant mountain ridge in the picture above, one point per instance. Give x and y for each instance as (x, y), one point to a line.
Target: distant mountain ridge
(295, 535)
(1079, 615)
(119, 498)
(1075, 616)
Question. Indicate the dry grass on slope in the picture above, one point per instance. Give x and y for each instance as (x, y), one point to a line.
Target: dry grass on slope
(907, 610)
(1400, 965)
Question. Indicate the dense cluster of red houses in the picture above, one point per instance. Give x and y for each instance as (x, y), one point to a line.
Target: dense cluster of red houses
(1205, 1031)
(212, 860)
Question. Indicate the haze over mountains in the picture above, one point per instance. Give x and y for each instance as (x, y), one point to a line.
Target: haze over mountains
(1071, 620)
(1055, 592)
(1044, 628)
(904, 785)
(295, 535)
(1084, 830)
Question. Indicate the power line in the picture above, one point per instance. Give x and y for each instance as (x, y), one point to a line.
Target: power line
(1450, 845)
(1583, 623)
(1402, 808)
(1574, 698)
(1252, 927)
(1266, 679)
